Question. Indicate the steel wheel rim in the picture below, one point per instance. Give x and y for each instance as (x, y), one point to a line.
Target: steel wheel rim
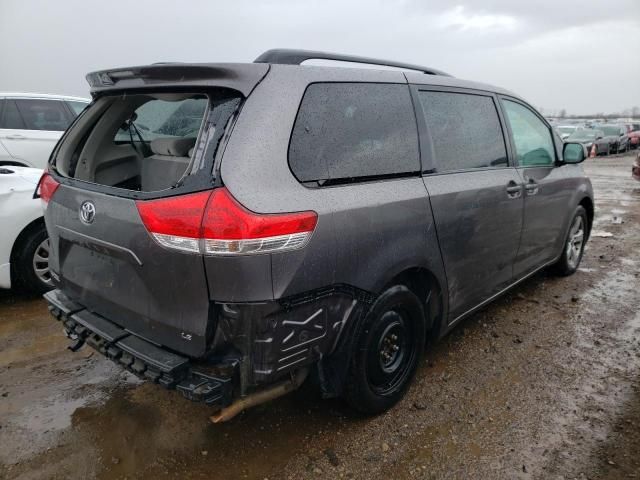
(390, 353)
(575, 242)
(391, 350)
(40, 262)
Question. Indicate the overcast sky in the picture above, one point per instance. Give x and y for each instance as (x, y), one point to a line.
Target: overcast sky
(578, 55)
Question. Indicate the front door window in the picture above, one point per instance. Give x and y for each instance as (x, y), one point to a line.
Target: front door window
(532, 138)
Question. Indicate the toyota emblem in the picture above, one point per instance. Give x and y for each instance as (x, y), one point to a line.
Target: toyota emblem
(87, 212)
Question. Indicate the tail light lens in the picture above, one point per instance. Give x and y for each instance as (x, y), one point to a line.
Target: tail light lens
(175, 222)
(214, 223)
(47, 186)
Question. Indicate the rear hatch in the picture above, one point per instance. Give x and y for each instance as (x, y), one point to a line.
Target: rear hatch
(113, 267)
(147, 147)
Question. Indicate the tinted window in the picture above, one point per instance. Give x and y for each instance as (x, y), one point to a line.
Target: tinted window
(465, 130)
(43, 114)
(77, 107)
(350, 130)
(11, 116)
(531, 136)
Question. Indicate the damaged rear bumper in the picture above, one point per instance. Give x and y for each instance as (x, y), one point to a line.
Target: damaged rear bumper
(255, 345)
(140, 357)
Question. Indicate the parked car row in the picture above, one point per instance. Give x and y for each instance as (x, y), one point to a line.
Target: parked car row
(607, 138)
(589, 138)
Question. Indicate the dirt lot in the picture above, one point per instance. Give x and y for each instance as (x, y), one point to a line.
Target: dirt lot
(543, 384)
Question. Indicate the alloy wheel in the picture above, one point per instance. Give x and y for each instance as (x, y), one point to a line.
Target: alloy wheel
(41, 262)
(575, 242)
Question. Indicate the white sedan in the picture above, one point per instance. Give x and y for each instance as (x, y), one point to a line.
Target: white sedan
(24, 243)
(32, 123)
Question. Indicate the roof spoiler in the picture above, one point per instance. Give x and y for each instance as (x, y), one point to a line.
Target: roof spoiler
(242, 77)
(286, 56)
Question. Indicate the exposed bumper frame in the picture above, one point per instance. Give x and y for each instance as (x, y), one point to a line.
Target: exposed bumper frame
(139, 356)
(257, 346)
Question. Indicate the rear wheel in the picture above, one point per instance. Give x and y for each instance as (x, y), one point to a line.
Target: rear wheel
(388, 348)
(574, 244)
(32, 261)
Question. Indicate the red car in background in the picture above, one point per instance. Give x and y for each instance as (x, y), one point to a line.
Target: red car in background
(634, 139)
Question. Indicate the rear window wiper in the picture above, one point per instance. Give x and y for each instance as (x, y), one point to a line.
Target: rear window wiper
(132, 128)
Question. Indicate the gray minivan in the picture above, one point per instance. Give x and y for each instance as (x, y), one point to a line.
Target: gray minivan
(229, 230)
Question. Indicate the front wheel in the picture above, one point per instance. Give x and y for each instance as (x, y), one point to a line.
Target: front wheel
(387, 350)
(574, 244)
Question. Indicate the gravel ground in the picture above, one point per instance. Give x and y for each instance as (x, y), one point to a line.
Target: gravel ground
(544, 383)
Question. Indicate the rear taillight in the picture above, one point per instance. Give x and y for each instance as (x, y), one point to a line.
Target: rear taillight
(175, 221)
(47, 186)
(214, 223)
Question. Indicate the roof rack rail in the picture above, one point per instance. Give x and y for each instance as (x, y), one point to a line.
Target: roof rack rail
(287, 56)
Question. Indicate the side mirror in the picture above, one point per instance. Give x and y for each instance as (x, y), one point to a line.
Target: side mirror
(574, 153)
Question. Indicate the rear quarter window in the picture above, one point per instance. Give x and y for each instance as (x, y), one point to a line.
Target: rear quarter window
(40, 114)
(350, 131)
(11, 118)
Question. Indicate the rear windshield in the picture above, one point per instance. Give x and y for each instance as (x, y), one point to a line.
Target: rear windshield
(146, 142)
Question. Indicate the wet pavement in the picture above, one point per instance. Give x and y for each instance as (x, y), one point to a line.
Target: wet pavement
(544, 383)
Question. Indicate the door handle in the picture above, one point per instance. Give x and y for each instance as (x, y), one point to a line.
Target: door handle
(514, 190)
(15, 137)
(531, 187)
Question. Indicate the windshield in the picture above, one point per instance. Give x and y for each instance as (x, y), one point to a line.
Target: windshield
(583, 135)
(566, 129)
(610, 130)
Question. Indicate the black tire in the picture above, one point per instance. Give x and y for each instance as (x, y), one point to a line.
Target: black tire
(382, 365)
(570, 259)
(28, 245)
